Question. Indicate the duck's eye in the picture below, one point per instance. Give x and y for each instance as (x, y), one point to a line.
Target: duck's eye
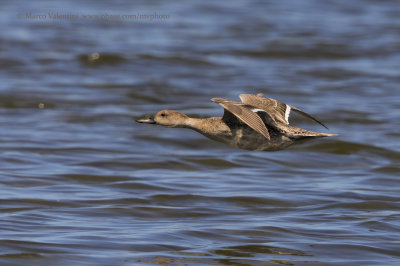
(163, 114)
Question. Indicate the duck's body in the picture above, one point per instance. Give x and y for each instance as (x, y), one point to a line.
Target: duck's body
(257, 123)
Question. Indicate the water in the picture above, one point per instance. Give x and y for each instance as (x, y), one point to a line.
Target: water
(82, 183)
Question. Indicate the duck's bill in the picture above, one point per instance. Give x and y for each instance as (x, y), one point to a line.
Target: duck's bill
(146, 121)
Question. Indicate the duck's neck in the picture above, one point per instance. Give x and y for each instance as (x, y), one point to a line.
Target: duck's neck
(207, 126)
(195, 123)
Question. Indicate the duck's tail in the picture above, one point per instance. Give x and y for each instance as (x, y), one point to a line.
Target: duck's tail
(310, 134)
(299, 133)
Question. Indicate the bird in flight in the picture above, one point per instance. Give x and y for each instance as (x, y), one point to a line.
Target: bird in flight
(256, 123)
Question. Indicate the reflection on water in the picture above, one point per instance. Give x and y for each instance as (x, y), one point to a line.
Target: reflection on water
(81, 183)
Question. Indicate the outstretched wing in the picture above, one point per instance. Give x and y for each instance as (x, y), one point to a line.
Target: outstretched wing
(245, 114)
(276, 109)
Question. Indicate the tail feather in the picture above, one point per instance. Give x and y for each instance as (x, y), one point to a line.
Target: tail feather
(311, 134)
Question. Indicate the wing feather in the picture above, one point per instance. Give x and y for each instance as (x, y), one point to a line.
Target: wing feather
(297, 110)
(244, 113)
(276, 109)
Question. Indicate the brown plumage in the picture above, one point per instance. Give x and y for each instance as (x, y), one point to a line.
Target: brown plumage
(244, 113)
(278, 110)
(256, 123)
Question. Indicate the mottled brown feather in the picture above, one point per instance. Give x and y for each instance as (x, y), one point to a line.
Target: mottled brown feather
(243, 113)
(275, 108)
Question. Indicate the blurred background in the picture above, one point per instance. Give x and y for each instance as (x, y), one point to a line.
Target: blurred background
(81, 182)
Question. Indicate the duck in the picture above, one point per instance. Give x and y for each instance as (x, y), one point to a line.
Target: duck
(256, 123)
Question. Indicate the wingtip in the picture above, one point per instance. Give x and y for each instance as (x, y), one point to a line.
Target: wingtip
(307, 115)
(322, 124)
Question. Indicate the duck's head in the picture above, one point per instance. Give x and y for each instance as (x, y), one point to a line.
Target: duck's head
(167, 118)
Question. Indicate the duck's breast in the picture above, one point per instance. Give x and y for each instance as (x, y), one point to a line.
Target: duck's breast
(248, 139)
